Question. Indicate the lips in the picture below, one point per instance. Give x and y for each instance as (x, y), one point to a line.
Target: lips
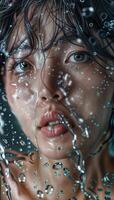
(51, 131)
(48, 117)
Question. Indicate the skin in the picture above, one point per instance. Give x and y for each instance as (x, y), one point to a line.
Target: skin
(90, 92)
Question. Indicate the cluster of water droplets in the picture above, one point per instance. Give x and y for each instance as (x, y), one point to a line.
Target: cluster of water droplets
(80, 164)
(7, 171)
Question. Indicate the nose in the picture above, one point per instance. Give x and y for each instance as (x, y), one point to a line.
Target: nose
(49, 88)
(46, 95)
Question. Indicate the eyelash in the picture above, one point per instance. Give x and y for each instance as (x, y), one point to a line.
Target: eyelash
(81, 60)
(85, 58)
(18, 64)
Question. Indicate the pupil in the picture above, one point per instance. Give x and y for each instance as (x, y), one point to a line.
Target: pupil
(78, 57)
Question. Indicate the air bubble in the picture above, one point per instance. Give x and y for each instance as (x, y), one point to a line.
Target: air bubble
(103, 16)
(87, 11)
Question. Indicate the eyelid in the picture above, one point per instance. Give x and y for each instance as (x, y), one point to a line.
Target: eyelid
(76, 52)
(21, 61)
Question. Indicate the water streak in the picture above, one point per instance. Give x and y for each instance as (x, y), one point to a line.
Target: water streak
(80, 165)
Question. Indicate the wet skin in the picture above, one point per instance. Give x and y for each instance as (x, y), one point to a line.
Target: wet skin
(33, 89)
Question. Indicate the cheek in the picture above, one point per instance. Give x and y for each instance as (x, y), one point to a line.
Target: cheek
(92, 97)
(23, 103)
(22, 100)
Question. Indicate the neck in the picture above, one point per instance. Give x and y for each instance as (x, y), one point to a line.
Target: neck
(62, 174)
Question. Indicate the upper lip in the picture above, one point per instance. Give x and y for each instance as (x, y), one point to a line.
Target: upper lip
(48, 117)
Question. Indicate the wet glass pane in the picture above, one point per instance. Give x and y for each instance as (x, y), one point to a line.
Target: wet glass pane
(56, 100)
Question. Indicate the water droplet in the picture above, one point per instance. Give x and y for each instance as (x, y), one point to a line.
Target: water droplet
(56, 173)
(22, 142)
(7, 172)
(73, 198)
(21, 178)
(91, 25)
(103, 16)
(1, 125)
(40, 194)
(66, 172)
(49, 189)
(87, 11)
(57, 166)
(82, 1)
(4, 97)
(103, 33)
(19, 163)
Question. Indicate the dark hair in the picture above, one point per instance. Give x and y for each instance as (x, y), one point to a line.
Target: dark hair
(90, 20)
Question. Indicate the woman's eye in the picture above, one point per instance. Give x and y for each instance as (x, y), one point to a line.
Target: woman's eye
(79, 57)
(22, 67)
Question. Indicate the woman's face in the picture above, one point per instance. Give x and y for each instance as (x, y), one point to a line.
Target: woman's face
(45, 84)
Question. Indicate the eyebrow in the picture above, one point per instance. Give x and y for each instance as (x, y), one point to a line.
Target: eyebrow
(73, 39)
(24, 44)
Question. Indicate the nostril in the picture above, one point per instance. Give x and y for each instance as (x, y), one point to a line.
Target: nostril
(44, 98)
(56, 96)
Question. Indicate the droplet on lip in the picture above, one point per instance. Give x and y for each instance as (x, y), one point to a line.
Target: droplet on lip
(50, 128)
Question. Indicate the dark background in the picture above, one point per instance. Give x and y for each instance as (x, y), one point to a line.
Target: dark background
(12, 136)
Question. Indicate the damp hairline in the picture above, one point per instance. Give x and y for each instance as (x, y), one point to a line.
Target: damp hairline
(69, 24)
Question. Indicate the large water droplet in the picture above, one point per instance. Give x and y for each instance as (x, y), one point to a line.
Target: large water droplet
(49, 189)
(40, 194)
(57, 166)
(21, 178)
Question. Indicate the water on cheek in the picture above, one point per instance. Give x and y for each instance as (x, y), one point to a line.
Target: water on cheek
(24, 94)
(22, 90)
(64, 82)
(24, 100)
(103, 84)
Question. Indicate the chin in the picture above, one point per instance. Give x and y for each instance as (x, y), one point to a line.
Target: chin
(54, 148)
(55, 153)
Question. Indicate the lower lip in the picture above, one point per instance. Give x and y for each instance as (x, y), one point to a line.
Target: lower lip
(56, 131)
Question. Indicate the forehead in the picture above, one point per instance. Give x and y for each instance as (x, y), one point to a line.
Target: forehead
(41, 24)
(20, 31)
